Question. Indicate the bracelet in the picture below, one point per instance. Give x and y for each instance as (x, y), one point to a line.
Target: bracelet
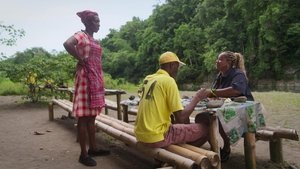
(212, 91)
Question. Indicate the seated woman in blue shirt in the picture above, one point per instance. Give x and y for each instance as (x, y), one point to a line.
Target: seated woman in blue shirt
(230, 82)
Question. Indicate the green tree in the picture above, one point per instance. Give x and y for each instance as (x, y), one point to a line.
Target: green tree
(9, 36)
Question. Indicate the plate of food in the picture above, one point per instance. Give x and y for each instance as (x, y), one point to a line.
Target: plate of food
(214, 103)
(240, 99)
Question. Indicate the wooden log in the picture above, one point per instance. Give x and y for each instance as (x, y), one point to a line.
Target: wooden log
(249, 148)
(50, 111)
(212, 156)
(199, 159)
(125, 112)
(63, 104)
(106, 110)
(116, 120)
(119, 109)
(158, 153)
(264, 135)
(214, 132)
(116, 125)
(286, 133)
(275, 146)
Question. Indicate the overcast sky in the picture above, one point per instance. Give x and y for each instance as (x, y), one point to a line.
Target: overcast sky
(48, 23)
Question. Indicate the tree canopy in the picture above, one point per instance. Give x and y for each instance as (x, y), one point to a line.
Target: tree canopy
(267, 33)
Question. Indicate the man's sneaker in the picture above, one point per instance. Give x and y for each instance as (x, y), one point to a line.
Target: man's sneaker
(99, 152)
(87, 161)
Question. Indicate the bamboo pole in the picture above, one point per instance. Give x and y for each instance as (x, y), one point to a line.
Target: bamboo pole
(158, 153)
(125, 112)
(116, 120)
(212, 156)
(275, 146)
(283, 132)
(119, 109)
(63, 104)
(214, 131)
(264, 135)
(183, 151)
(116, 125)
(200, 159)
(50, 111)
(249, 148)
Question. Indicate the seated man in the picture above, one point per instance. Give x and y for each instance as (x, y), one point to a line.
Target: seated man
(160, 99)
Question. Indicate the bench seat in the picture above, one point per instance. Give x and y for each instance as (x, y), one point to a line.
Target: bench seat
(180, 156)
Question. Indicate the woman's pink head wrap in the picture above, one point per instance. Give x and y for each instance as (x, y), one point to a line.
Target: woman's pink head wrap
(86, 15)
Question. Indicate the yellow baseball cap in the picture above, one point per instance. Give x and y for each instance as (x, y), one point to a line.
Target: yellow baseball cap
(169, 57)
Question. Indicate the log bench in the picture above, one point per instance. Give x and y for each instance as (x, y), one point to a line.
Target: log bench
(271, 134)
(275, 135)
(183, 156)
(113, 105)
(67, 105)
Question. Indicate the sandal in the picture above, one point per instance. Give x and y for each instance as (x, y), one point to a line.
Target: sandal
(99, 152)
(225, 154)
(87, 161)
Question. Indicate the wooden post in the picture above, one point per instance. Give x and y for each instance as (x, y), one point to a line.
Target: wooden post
(106, 110)
(119, 106)
(71, 96)
(125, 113)
(50, 111)
(249, 150)
(275, 146)
(213, 135)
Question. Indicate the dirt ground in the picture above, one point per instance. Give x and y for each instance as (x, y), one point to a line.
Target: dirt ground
(28, 140)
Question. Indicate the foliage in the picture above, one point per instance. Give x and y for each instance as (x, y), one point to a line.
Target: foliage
(39, 70)
(37, 74)
(265, 32)
(9, 36)
(8, 87)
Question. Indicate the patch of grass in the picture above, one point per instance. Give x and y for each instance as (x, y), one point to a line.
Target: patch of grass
(119, 83)
(283, 108)
(8, 87)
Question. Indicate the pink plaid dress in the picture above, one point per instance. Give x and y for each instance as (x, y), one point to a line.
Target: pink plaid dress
(89, 84)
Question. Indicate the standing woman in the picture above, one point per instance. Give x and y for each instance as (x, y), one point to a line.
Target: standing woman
(89, 94)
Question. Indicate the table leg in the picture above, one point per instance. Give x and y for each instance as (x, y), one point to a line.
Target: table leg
(249, 150)
(275, 146)
(213, 135)
(119, 106)
(125, 112)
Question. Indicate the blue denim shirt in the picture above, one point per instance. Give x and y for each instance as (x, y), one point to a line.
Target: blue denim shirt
(236, 79)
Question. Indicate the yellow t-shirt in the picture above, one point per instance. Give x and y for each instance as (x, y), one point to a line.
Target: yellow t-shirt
(160, 98)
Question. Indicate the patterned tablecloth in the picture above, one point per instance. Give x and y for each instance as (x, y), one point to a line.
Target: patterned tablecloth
(239, 118)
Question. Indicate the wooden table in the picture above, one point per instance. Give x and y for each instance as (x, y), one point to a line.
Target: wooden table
(238, 120)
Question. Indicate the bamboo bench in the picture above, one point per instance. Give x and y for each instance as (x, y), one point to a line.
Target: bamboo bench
(108, 92)
(67, 105)
(275, 136)
(182, 156)
(271, 134)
